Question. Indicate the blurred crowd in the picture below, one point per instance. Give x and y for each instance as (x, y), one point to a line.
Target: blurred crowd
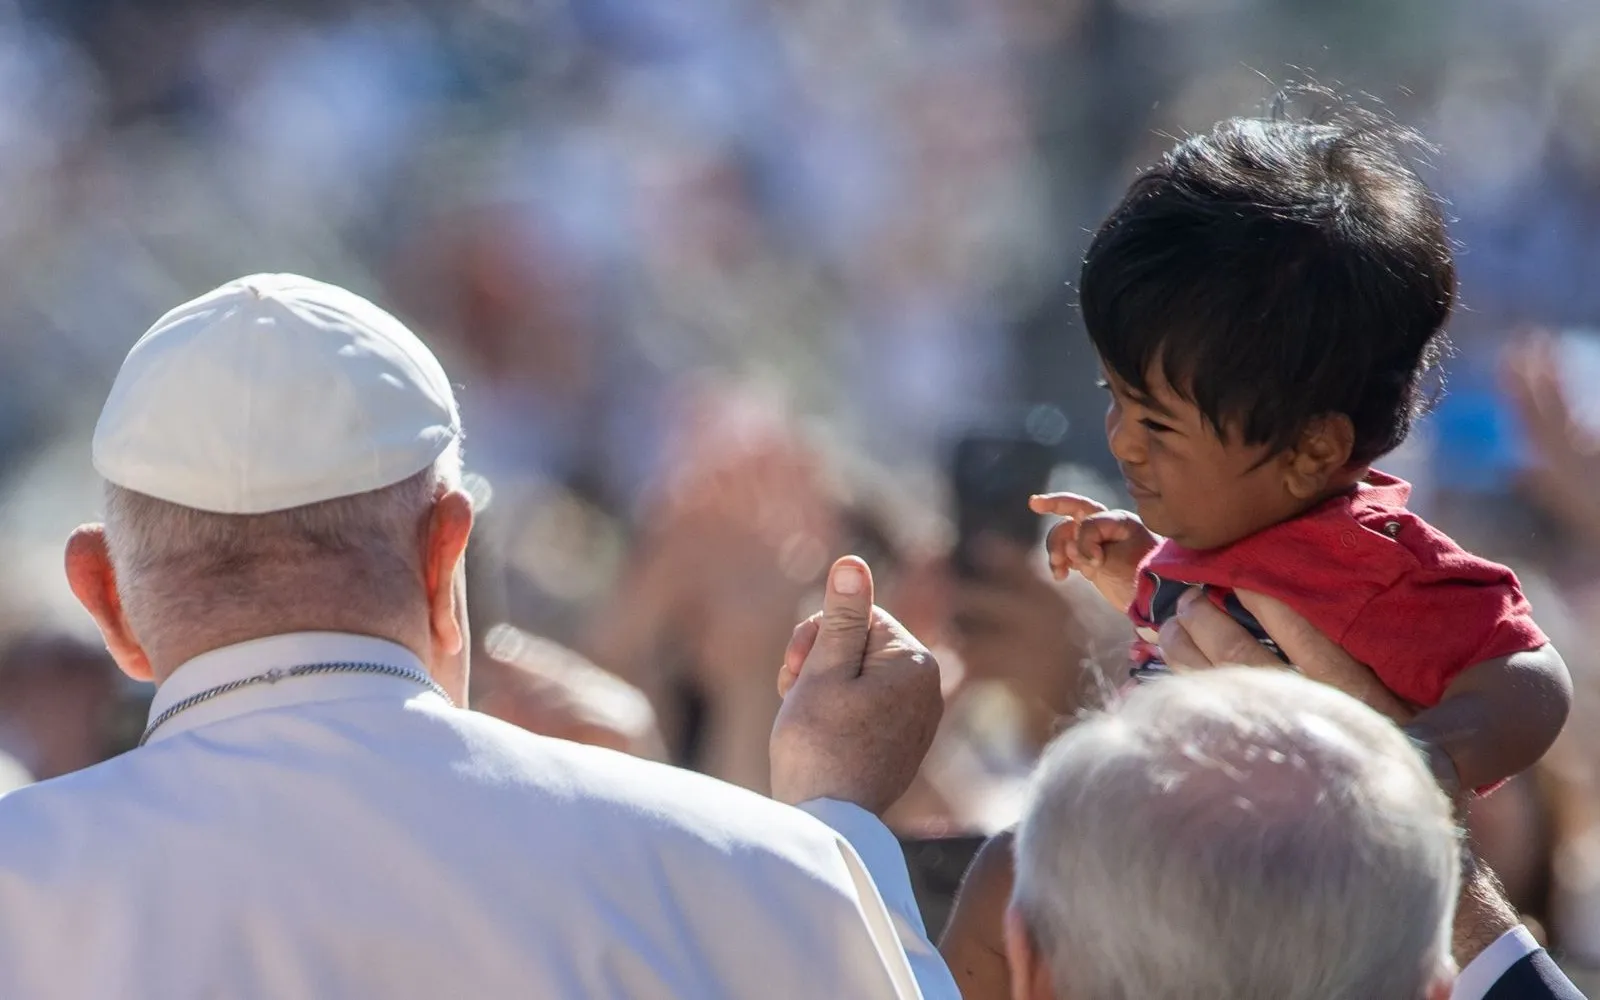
(667, 247)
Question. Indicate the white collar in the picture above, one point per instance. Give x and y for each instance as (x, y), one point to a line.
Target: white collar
(1480, 975)
(257, 656)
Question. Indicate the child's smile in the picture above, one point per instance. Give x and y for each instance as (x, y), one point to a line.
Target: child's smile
(1188, 483)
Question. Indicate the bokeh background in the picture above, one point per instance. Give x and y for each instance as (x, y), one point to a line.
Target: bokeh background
(721, 282)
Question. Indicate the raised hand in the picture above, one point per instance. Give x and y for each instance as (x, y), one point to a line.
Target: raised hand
(1565, 455)
(861, 701)
(1106, 546)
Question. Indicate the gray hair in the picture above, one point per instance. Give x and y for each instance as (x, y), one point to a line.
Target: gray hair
(1238, 833)
(179, 565)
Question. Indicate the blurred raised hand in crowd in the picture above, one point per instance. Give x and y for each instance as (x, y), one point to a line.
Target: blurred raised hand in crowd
(1545, 840)
(545, 688)
(1563, 453)
(1024, 655)
(730, 540)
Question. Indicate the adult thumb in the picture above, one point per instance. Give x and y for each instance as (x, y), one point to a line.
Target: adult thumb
(846, 620)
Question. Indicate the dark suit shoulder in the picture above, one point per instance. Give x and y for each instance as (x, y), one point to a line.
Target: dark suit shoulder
(1536, 977)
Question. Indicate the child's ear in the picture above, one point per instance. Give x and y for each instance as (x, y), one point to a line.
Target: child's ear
(1322, 452)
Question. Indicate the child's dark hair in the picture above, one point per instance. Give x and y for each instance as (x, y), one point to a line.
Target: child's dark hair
(1278, 271)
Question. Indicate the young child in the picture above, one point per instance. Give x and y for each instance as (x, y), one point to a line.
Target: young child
(1266, 302)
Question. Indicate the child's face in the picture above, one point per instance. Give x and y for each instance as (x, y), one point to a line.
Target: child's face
(1189, 484)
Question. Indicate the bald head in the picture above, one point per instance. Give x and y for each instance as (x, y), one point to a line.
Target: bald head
(1240, 833)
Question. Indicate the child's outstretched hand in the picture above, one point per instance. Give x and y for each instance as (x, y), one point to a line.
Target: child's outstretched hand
(1106, 546)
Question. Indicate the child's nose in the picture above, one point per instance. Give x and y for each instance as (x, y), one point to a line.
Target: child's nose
(1125, 438)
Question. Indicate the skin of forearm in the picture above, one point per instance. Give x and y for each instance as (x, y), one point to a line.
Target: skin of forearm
(1500, 716)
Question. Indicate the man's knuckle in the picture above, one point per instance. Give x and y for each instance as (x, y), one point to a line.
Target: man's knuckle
(845, 618)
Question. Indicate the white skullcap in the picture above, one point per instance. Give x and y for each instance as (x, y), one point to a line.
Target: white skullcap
(272, 392)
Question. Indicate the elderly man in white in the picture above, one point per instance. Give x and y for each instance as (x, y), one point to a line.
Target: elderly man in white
(1240, 833)
(312, 814)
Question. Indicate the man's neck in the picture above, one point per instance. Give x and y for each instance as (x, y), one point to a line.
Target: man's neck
(166, 658)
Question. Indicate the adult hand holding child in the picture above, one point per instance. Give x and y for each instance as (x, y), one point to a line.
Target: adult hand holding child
(1202, 636)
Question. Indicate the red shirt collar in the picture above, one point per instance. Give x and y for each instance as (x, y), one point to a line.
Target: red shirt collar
(1379, 489)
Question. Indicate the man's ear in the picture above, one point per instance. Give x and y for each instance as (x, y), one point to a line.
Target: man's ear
(1030, 970)
(1443, 985)
(449, 528)
(1322, 452)
(94, 583)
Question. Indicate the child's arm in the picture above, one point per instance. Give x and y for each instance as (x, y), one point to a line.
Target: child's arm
(1106, 546)
(1498, 717)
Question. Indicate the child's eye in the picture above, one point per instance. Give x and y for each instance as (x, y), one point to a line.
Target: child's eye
(1155, 426)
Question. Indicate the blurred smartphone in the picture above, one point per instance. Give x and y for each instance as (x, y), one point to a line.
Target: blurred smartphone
(992, 477)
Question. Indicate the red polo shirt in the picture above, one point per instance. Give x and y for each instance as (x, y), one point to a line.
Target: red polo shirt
(1395, 593)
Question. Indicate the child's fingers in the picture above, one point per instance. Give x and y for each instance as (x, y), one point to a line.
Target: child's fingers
(1064, 505)
(1060, 545)
(1095, 533)
(1089, 547)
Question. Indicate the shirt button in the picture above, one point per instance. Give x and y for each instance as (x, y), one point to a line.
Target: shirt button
(1392, 529)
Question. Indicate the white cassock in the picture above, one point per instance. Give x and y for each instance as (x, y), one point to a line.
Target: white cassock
(352, 835)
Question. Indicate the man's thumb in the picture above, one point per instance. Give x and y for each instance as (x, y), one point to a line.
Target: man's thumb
(846, 619)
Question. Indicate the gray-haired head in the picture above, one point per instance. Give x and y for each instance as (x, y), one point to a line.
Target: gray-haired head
(357, 557)
(1238, 833)
(281, 455)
